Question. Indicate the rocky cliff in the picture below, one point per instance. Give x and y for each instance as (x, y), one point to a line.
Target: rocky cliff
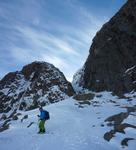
(37, 83)
(111, 64)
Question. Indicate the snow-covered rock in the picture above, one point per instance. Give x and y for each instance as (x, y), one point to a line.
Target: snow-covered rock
(37, 83)
(78, 79)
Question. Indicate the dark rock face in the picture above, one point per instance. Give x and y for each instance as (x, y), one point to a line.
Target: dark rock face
(37, 83)
(124, 142)
(116, 121)
(111, 64)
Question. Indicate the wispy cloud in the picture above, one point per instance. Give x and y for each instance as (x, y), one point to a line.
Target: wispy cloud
(58, 62)
(22, 55)
(38, 30)
(45, 40)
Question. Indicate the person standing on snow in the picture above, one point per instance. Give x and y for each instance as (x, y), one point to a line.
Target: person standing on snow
(44, 115)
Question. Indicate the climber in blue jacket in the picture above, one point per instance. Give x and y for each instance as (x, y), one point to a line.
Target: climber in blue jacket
(42, 118)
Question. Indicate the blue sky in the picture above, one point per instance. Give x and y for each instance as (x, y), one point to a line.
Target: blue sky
(57, 31)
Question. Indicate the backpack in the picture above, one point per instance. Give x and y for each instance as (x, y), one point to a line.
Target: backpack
(47, 115)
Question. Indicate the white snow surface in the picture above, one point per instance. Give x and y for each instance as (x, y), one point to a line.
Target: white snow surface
(70, 127)
(78, 80)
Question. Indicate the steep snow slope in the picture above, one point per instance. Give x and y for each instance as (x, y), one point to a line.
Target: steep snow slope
(72, 127)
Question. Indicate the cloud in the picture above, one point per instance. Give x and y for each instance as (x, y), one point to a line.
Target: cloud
(56, 61)
(39, 30)
(45, 40)
(28, 55)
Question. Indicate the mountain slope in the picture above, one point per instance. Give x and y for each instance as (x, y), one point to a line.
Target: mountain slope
(111, 64)
(72, 127)
(37, 83)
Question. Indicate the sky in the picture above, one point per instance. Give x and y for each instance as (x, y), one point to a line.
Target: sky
(56, 31)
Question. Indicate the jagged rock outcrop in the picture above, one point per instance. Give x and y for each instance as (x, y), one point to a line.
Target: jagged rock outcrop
(111, 64)
(37, 83)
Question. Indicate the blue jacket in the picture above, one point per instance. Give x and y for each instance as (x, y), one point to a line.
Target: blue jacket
(42, 115)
